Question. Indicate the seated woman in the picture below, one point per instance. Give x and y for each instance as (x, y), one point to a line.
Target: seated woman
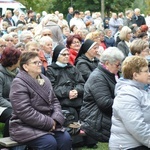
(8, 70)
(86, 60)
(130, 121)
(37, 118)
(96, 110)
(66, 80)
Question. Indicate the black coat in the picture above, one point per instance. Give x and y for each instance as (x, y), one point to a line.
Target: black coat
(139, 21)
(96, 110)
(86, 66)
(63, 80)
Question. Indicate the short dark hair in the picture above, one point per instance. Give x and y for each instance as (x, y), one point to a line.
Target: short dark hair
(76, 12)
(29, 12)
(10, 56)
(25, 57)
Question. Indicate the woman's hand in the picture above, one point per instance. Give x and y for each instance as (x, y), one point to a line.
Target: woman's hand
(54, 126)
(73, 94)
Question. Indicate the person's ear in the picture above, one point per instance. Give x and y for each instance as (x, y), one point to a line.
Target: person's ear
(135, 76)
(25, 67)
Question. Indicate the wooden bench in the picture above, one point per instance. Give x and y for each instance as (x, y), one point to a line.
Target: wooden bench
(8, 142)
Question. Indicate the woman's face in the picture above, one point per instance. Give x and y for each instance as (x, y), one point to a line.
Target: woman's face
(129, 35)
(143, 76)
(9, 41)
(47, 47)
(33, 66)
(113, 67)
(63, 57)
(93, 52)
(75, 45)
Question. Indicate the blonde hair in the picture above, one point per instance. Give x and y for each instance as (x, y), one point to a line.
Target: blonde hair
(133, 64)
(123, 33)
(92, 35)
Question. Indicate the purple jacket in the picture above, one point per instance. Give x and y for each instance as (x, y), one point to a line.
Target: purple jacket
(34, 108)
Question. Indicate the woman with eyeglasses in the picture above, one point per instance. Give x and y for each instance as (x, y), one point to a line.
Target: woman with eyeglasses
(66, 80)
(130, 128)
(37, 118)
(73, 43)
(9, 63)
(96, 111)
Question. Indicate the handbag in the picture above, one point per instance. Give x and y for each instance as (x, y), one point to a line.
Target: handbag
(71, 122)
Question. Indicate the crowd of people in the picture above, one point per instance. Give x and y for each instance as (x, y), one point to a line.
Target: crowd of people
(97, 69)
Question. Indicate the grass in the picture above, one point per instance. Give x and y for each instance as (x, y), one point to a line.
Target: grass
(101, 146)
(1, 129)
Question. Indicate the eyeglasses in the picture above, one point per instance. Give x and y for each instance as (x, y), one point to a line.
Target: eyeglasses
(37, 63)
(65, 54)
(3, 46)
(76, 42)
(117, 65)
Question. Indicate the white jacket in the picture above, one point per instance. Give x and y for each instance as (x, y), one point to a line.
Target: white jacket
(131, 116)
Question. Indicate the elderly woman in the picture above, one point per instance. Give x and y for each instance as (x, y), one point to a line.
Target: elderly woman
(9, 40)
(26, 36)
(37, 117)
(96, 111)
(66, 80)
(45, 52)
(8, 70)
(73, 44)
(130, 128)
(124, 44)
(86, 60)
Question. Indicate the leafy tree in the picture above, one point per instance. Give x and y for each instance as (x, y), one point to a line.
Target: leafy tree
(82, 5)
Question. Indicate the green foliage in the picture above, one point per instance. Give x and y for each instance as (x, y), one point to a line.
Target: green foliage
(82, 5)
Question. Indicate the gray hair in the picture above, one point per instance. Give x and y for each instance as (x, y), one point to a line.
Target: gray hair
(24, 35)
(111, 54)
(44, 39)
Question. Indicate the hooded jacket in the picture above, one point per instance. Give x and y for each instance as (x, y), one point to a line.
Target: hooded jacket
(130, 120)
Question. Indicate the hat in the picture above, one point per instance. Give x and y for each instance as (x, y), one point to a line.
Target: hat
(87, 45)
(57, 50)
